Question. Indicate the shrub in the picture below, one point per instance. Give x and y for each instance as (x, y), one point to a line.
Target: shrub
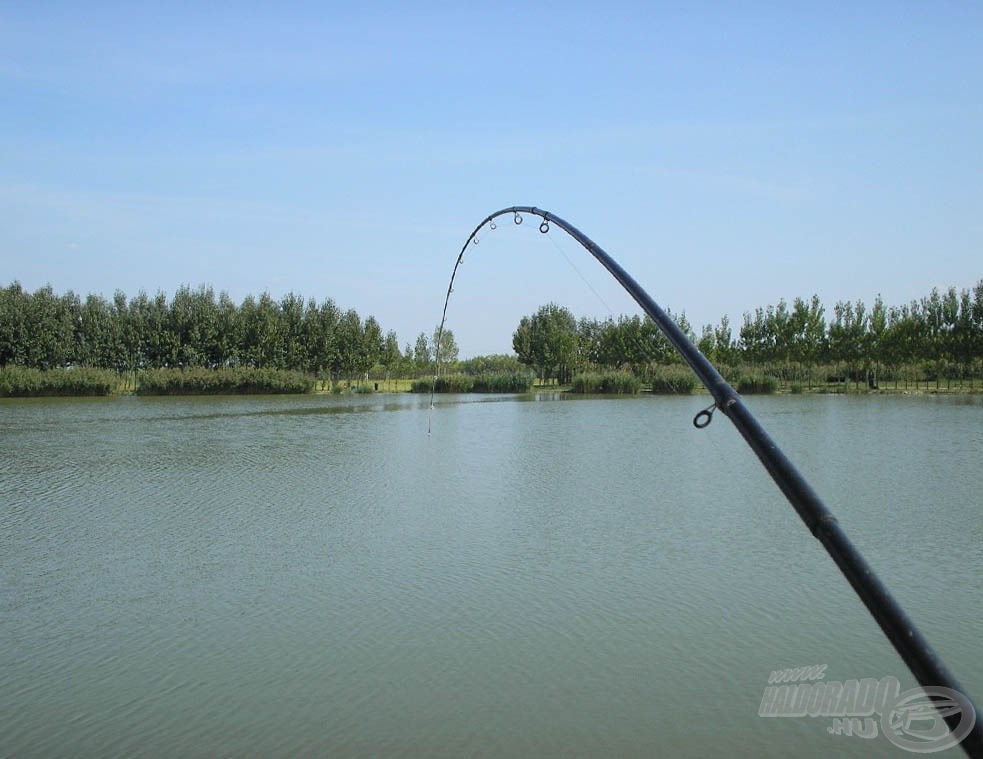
(201, 381)
(454, 383)
(494, 364)
(21, 382)
(493, 382)
(672, 380)
(502, 382)
(613, 383)
(586, 383)
(449, 383)
(757, 385)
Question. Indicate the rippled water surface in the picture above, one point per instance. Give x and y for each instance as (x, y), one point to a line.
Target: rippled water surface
(539, 577)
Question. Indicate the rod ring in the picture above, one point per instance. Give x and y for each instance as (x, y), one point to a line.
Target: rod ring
(544, 227)
(517, 219)
(703, 418)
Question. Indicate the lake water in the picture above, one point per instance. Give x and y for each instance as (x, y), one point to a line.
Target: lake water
(547, 576)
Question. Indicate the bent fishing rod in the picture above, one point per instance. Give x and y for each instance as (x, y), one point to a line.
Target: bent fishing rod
(913, 648)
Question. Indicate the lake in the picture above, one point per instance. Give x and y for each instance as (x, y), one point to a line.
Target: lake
(540, 576)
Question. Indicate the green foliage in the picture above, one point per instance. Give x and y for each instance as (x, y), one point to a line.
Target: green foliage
(390, 358)
(757, 385)
(493, 364)
(422, 352)
(445, 348)
(200, 381)
(547, 341)
(632, 343)
(493, 382)
(673, 380)
(939, 337)
(24, 382)
(193, 329)
(449, 383)
(615, 383)
(503, 382)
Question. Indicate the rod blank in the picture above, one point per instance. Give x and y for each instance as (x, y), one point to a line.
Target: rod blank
(913, 648)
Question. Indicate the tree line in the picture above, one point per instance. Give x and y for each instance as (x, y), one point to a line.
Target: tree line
(195, 328)
(939, 336)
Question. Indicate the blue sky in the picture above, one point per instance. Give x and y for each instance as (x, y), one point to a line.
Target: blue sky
(727, 154)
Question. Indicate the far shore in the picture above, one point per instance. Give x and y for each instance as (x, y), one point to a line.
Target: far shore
(86, 383)
(395, 387)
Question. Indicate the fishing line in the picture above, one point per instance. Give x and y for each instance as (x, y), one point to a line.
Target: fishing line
(641, 348)
(647, 349)
(580, 274)
(965, 722)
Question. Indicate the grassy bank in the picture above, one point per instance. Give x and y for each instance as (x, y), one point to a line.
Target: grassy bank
(20, 382)
(494, 382)
(612, 383)
(241, 381)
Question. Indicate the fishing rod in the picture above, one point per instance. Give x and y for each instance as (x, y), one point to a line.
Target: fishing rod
(914, 649)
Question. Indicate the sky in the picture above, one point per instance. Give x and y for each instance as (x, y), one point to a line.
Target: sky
(727, 155)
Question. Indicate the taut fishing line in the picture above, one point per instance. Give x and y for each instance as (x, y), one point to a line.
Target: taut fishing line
(643, 347)
(964, 719)
(580, 274)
